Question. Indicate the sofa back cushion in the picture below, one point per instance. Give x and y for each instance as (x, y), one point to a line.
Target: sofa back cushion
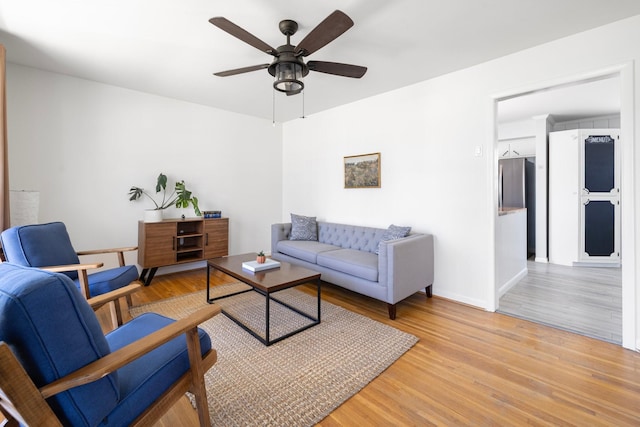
(350, 236)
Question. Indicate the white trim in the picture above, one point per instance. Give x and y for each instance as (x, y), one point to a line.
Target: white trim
(630, 158)
(512, 282)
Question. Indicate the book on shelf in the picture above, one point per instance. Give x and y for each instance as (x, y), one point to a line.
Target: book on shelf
(256, 266)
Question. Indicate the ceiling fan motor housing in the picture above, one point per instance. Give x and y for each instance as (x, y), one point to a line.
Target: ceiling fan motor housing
(287, 67)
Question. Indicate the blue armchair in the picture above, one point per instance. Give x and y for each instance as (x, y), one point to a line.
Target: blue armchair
(57, 368)
(48, 246)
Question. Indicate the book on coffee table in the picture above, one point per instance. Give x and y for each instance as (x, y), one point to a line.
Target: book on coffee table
(255, 266)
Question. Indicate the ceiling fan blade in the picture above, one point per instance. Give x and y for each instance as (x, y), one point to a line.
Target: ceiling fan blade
(327, 31)
(241, 70)
(242, 34)
(345, 70)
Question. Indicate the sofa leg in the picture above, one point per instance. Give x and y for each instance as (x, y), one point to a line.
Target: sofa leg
(429, 291)
(392, 311)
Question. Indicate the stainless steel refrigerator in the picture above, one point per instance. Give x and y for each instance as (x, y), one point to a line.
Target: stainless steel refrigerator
(516, 178)
(511, 179)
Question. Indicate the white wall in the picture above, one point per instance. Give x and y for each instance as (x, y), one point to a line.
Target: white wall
(427, 134)
(83, 145)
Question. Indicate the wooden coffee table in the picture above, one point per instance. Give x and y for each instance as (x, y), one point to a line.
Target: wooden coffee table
(266, 283)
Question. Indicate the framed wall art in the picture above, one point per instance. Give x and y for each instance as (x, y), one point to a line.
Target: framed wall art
(362, 171)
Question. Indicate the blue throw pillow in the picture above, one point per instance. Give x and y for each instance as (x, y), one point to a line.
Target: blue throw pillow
(394, 232)
(303, 228)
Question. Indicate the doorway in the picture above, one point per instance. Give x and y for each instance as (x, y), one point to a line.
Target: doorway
(622, 78)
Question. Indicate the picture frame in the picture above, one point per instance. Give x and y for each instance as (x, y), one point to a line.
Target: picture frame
(362, 171)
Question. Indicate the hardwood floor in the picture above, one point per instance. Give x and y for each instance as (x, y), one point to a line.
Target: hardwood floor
(584, 300)
(470, 367)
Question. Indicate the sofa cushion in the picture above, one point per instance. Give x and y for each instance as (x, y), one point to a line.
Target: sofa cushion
(303, 228)
(394, 232)
(304, 250)
(356, 263)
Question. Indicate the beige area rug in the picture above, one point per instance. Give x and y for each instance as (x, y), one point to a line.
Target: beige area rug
(297, 381)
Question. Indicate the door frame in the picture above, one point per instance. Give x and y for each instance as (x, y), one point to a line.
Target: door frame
(625, 73)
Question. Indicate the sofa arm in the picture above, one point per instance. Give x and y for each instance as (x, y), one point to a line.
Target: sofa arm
(279, 232)
(405, 266)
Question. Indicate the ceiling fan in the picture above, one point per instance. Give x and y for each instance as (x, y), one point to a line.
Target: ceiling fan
(288, 66)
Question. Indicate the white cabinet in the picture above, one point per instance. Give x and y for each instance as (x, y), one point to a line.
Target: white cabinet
(584, 197)
(518, 147)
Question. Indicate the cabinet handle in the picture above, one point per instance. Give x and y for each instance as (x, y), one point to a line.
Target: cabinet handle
(173, 243)
(206, 239)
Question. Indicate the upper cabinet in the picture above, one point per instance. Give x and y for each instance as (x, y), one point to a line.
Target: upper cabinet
(519, 147)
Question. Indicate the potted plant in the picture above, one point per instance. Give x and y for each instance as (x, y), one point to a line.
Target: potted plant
(261, 258)
(180, 197)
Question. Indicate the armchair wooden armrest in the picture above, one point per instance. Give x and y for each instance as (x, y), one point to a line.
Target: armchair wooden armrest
(72, 267)
(113, 361)
(100, 300)
(118, 251)
(82, 273)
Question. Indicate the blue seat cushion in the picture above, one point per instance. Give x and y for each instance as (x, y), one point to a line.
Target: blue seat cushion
(39, 245)
(108, 280)
(304, 250)
(145, 379)
(354, 262)
(52, 331)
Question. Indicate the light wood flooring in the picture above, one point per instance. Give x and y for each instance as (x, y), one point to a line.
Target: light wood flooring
(583, 300)
(470, 367)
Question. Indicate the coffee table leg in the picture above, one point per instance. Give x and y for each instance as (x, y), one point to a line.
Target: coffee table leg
(266, 333)
(318, 284)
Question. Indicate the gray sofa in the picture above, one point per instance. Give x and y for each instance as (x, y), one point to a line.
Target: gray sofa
(345, 255)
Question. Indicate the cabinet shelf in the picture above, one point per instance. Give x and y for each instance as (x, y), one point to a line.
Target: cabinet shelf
(189, 248)
(190, 256)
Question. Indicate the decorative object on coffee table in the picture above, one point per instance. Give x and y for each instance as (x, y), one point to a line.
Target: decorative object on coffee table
(261, 258)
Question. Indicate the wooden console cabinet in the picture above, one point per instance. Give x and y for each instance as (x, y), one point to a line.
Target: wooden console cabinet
(177, 241)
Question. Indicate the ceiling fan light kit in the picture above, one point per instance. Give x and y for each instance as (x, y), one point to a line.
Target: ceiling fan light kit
(288, 66)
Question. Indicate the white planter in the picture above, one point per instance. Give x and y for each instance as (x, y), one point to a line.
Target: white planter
(153, 215)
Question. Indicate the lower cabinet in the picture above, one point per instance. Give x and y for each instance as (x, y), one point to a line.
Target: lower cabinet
(177, 241)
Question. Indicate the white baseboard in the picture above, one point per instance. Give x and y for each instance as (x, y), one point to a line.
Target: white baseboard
(512, 282)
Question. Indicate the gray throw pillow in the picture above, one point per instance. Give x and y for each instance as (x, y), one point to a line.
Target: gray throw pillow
(303, 228)
(394, 232)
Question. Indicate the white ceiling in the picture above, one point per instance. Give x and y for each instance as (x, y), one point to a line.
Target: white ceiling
(168, 47)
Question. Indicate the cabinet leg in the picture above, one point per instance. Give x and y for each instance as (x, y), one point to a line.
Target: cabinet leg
(146, 276)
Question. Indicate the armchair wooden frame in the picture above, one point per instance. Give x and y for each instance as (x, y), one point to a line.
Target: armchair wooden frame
(22, 402)
(83, 275)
